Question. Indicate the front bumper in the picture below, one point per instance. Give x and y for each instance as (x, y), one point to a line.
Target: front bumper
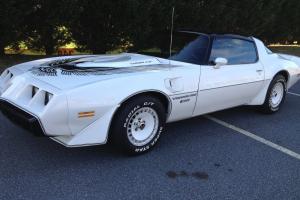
(21, 118)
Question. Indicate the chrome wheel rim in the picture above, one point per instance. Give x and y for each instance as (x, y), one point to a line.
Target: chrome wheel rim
(277, 95)
(142, 126)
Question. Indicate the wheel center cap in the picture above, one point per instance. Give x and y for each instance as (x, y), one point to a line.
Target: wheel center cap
(140, 125)
(275, 94)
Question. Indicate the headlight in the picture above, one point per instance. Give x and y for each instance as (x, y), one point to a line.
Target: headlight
(34, 90)
(48, 97)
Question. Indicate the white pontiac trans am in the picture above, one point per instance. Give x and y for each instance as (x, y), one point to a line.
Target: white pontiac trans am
(127, 98)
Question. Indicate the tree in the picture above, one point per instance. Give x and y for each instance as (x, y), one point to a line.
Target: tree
(100, 26)
(159, 19)
(11, 14)
(139, 30)
(286, 27)
(45, 25)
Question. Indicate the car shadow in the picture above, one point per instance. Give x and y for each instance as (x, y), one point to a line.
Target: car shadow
(43, 152)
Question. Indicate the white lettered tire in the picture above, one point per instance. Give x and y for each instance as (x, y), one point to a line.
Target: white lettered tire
(138, 124)
(276, 95)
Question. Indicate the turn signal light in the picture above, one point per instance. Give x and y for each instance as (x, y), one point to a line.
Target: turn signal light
(86, 114)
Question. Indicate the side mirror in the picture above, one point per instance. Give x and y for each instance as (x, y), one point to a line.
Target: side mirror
(219, 62)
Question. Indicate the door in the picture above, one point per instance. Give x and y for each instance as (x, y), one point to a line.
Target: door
(233, 84)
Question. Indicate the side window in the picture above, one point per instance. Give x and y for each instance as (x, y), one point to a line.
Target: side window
(236, 51)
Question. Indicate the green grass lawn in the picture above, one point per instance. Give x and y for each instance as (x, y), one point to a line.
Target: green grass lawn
(10, 60)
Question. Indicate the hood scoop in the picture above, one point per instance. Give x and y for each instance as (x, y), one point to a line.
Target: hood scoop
(108, 59)
(117, 61)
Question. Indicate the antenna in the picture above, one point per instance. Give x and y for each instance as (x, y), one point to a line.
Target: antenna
(172, 28)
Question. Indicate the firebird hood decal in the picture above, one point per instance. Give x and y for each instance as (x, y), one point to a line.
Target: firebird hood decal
(86, 71)
(67, 69)
(98, 65)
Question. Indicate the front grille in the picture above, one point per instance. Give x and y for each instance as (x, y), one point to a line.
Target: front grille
(21, 118)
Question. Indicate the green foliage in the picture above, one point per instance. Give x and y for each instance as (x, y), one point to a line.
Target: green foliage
(10, 14)
(101, 26)
(105, 25)
(45, 24)
(287, 27)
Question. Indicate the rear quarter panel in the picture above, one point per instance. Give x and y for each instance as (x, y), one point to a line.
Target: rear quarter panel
(274, 63)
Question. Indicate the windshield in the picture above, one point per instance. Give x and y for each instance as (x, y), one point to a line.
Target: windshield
(190, 48)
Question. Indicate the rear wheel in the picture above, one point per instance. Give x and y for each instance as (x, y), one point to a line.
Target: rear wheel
(276, 95)
(138, 125)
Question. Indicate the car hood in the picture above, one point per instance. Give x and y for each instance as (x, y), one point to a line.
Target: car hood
(75, 71)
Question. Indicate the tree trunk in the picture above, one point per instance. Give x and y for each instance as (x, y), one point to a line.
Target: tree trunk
(49, 45)
(2, 51)
(49, 50)
(48, 40)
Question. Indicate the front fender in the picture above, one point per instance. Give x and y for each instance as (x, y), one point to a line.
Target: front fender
(94, 134)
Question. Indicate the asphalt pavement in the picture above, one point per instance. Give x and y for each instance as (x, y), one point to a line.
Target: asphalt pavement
(195, 159)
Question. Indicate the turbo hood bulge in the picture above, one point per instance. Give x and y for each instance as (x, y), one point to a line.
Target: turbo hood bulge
(73, 71)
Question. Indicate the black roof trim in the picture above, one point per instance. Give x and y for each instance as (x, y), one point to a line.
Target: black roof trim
(193, 32)
(250, 38)
(234, 36)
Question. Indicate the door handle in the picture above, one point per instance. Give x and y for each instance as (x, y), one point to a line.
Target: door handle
(259, 70)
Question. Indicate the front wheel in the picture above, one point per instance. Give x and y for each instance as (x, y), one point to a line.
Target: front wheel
(276, 95)
(138, 125)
